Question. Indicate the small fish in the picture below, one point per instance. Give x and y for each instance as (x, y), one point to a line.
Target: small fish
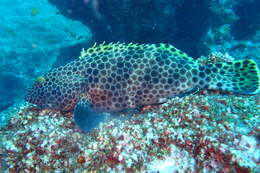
(114, 77)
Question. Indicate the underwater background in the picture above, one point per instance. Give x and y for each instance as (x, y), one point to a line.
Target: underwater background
(203, 132)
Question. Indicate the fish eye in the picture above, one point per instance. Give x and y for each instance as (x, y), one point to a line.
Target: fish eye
(40, 79)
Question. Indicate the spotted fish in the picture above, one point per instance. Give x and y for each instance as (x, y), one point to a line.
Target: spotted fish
(113, 77)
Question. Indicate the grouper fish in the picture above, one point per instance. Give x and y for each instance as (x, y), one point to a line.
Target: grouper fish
(117, 76)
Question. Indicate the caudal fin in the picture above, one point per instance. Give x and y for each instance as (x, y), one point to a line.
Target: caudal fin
(241, 76)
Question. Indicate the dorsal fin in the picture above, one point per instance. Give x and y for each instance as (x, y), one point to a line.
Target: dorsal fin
(146, 47)
(173, 50)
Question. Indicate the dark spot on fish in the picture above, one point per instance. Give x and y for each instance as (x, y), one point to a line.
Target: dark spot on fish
(207, 70)
(176, 76)
(101, 66)
(201, 74)
(95, 72)
(214, 69)
(201, 68)
(155, 80)
(218, 65)
(194, 71)
(219, 84)
(237, 64)
(195, 79)
(246, 62)
(170, 81)
(183, 79)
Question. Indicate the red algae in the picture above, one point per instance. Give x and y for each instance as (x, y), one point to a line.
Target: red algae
(81, 159)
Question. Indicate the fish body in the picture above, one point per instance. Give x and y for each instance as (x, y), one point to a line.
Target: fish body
(114, 77)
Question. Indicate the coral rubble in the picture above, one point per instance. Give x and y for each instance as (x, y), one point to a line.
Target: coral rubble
(196, 133)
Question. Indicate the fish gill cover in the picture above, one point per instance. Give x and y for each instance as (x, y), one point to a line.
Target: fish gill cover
(201, 130)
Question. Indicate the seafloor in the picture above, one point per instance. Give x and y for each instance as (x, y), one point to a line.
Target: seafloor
(202, 132)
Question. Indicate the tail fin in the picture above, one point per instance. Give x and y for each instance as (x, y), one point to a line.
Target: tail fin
(241, 76)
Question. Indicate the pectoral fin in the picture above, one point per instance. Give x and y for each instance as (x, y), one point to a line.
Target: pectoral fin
(86, 117)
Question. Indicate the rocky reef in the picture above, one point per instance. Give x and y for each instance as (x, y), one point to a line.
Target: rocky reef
(187, 24)
(182, 23)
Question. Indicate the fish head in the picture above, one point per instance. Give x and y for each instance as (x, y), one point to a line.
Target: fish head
(56, 93)
(41, 93)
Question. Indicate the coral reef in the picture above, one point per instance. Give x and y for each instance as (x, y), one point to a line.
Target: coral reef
(192, 26)
(240, 37)
(220, 40)
(196, 133)
(249, 20)
(195, 28)
(182, 23)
